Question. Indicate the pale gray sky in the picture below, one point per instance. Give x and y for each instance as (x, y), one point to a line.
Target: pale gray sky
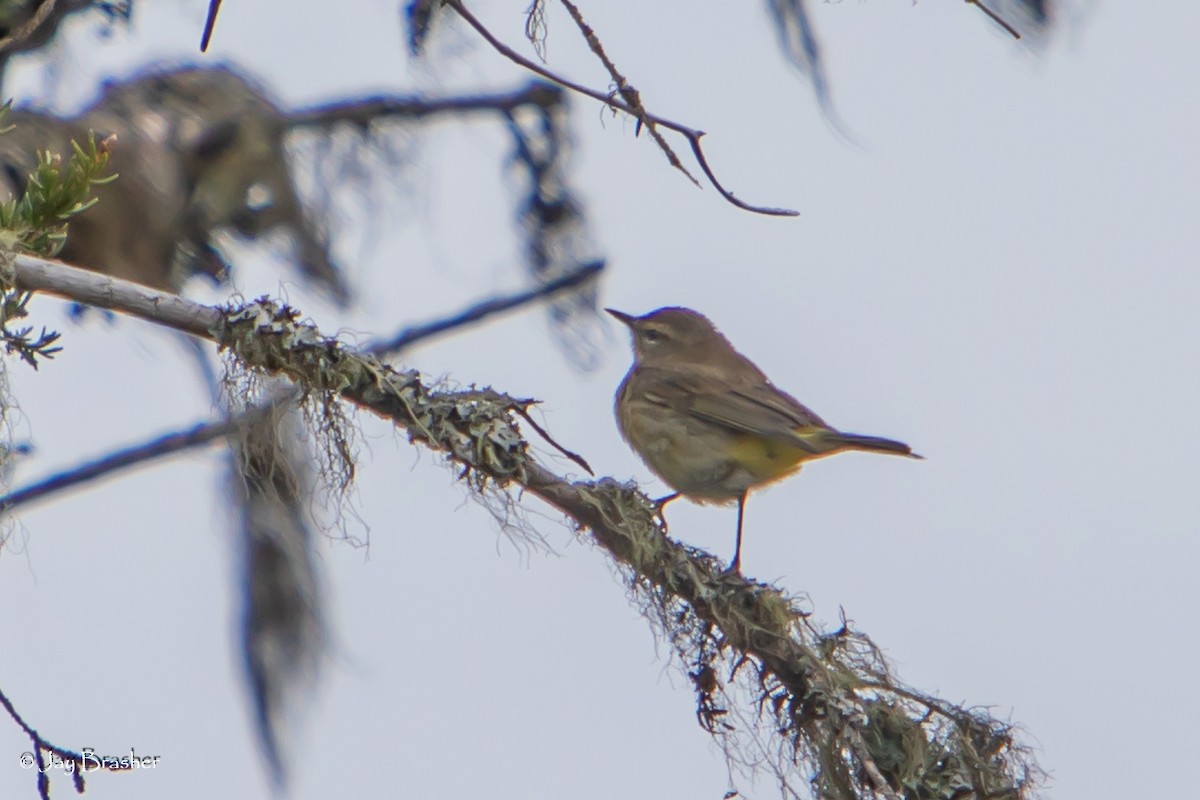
(1004, 274)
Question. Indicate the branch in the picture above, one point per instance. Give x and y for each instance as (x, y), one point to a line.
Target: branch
(630, 95)
(158, 447)
(825, 705)
(484, 309)
(995, 17)
(25, 31)
(210, 22)
(691, 134)
(364, 111)
(41, 747)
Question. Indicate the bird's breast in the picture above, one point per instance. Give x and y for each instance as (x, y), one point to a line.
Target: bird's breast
(704, 461)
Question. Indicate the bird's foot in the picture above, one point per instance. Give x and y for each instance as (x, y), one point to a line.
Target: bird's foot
(659, 505)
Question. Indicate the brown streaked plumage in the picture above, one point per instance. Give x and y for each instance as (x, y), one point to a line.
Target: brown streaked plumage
(709, 423)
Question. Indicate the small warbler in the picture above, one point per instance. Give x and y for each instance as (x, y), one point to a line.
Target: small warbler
(708, 422)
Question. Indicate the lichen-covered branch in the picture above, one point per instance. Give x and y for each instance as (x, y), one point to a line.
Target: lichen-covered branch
(820, 710)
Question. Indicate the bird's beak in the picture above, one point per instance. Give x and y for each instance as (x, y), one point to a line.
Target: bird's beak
(628, 319)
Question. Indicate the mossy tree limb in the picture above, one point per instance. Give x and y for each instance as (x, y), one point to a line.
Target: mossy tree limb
(779, 693)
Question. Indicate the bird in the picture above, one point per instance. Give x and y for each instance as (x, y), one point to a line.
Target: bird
(709, 423)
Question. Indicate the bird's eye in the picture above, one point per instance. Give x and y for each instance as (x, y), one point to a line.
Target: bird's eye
(651, 336)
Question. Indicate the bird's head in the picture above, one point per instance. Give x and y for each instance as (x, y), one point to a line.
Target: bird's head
(674, 335)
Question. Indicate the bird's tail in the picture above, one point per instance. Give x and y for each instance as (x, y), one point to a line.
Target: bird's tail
(875, 444)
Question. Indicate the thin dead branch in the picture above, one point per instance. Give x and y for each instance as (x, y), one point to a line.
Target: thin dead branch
(523, 412)
(631, 96)
(75, 763)
(210, 22)
(691, 134)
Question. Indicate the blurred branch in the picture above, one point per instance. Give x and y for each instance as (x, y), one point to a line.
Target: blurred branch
(158, 447)
(549, 214)
(30, 24)
(995, 17)
(210, 22)
(484, 309)
(691, 134)
(364, 111)
(21, 34)
(215, 165)
(551, 219)
(799, 43)
(824, 710)
(419, 15)
(79, 763)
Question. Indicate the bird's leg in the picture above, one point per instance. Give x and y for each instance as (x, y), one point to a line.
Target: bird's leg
(735, 566)
(660, 504)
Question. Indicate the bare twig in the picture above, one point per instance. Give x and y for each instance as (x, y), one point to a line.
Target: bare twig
(630, 95)
(210, 22)
(995, 18)
(578, 459)
(42, 747)
(204, 433)
(486, 308)
(691, 134)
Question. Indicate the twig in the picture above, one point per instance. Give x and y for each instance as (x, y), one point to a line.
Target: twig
(40, 747)
(692, 135)
(160, 446)
(486, 308)
(995, 18)
(578, 459)
(630, 95)
(210, 22)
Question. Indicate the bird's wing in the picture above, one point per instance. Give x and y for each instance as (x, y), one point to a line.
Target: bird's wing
(757, 408)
